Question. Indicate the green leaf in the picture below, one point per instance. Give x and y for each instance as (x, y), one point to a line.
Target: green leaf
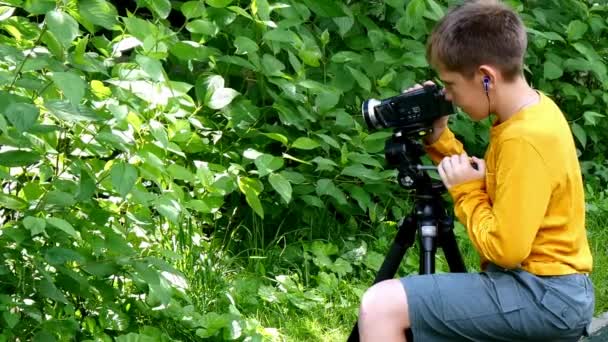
(113, 319)
(587, 50)
(361, 172)
(187, 50)
(325, 8)
(327, 187)
(364, 159)
(203, 26)
(193, 9)
(412, 21)
(152, 67)
(207, 205)
(278, 137)
(17, 158)
(576, 29)
(248, 188)
(160, 7)
(222, 97)
(169, 208)
(590, 117)
(63, 27)
(11, 318)
(59, 256)
(35, 225)
(22, 116)
(245, 45)
(361, 79)
(60, 198)
(267, 163)
(180, 172)
(344, 24)
(341, 267)
(123, 177)
(361, 196)
(71, 84)
(272, 66)
(49, 290)
(552, 70)
(6, 12)
(436, 12)
(305, 143)
(38, 7)
(261, 9)
(63, 225)
(64, 110)
(345, 57)
(310, 57)
(375, 142)
(99, 12)
(159, 133)
(283, 36)
(325, 164)
(327, 100)
(12, 202)
(281, 185)
(218, 3)
(580, 134)
(373, 260)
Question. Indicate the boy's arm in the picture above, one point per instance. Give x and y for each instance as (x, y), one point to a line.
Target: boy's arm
(446, 145)
(503, 232)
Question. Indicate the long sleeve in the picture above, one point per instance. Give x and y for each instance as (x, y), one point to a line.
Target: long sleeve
(503, 232)
(446, 145)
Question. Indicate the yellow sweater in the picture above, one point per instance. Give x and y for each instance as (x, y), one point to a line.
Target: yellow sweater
(529, 211)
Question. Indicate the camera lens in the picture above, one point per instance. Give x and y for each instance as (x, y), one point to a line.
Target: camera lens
(369, 113)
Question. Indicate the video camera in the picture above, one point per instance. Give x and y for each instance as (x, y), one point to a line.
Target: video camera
(411, 114)
(409, 111)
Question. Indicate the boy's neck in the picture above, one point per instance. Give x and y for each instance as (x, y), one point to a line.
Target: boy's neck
(513, 97)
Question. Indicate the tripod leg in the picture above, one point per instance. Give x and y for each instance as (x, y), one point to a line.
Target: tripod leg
(404, 239)
(451, 251)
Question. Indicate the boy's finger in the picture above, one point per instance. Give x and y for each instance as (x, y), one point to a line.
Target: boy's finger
(446, 165)
(464, 159)
(416, 86)
(455, 159)
(443, 176)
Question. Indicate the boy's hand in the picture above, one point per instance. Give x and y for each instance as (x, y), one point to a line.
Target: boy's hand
(438, 125)
(457, 169)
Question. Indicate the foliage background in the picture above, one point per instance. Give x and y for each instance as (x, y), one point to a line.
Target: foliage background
(186, 170)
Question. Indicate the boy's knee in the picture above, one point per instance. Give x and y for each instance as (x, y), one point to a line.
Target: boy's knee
(386, 301)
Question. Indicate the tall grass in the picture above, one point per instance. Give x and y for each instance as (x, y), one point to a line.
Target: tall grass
(278, 281)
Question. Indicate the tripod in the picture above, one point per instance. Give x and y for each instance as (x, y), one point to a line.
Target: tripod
(429, 218)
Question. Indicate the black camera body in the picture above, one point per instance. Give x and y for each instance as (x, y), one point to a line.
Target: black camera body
(410, 112)
(411, 115)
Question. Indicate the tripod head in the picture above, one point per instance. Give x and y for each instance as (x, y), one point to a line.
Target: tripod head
(404, 152)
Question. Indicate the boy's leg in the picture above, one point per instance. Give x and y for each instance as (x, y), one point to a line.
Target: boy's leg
(487, 306)
(383, 315)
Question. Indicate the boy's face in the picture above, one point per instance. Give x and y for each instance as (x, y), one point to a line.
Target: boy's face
(468, 94)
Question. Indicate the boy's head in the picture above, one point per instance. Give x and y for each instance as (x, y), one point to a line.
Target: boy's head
(482, 39)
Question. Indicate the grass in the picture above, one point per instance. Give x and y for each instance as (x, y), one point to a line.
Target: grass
(295, 290)
(598, 240)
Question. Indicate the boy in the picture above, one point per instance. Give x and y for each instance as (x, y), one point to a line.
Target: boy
(524, 207)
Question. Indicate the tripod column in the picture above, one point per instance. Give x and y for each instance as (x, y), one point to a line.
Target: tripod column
(428, 233)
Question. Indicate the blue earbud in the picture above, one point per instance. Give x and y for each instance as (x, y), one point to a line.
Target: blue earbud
(486, 83)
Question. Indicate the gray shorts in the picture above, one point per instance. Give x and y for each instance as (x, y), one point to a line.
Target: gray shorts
(499, 305)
